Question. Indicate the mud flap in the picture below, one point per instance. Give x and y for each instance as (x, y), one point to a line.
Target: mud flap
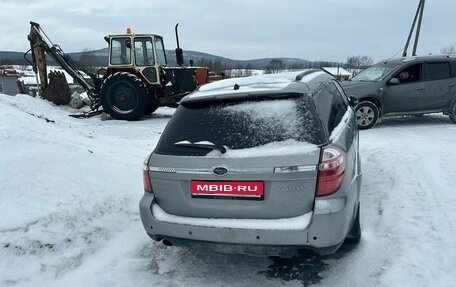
(58, 91)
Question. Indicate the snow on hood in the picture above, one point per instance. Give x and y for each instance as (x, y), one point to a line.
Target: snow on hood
(360, 88)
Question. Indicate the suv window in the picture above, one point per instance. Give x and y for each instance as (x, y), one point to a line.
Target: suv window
(331, 106)
(241, 124)
(438, 71)
(409, 74)
(453, 68)
(374, 73)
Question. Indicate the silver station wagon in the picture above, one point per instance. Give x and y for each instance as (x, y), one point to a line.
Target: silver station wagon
(263, 165)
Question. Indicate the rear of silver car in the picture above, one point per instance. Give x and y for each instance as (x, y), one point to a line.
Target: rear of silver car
(295, 190)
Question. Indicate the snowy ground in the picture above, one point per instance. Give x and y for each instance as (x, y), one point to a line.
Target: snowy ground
(69, 193)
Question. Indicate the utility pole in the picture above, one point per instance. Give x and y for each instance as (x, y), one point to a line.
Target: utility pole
(419, 16)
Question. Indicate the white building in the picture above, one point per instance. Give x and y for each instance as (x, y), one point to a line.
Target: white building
(338, 72)
(8, 82)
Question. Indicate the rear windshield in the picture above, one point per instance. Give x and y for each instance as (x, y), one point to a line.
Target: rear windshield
(241, 124)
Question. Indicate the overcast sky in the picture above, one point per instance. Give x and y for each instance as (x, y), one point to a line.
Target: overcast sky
(239, 29)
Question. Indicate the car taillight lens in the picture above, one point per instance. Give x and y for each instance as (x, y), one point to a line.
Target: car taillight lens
(330, 170)
(146, 181)
(146, 177)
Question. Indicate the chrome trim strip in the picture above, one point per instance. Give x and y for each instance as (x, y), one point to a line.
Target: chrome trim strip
(209, 170)
(162, 169)
(290, 169)
(231, 171)
(307, 168)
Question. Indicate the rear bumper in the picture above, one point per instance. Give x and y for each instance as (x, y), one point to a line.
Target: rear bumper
(325, 231)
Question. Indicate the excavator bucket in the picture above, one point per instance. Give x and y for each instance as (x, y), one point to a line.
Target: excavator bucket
(57, 91)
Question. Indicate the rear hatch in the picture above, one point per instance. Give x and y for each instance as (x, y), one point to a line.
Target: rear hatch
(245, 158)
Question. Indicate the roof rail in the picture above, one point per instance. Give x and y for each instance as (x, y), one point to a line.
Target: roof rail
(305, 73)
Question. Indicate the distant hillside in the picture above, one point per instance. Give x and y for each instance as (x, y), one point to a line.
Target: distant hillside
(100, 58)
(13, 58)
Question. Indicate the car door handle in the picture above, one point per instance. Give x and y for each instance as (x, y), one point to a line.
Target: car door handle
(419, 89)
(452, 85)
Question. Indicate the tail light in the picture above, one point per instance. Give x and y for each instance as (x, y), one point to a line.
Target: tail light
(330, 170)
(146, 177)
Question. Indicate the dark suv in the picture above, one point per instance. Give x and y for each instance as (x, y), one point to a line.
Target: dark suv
(405, 86)
(258, 165)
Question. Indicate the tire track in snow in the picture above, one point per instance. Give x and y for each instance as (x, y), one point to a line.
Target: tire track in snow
(408, 228)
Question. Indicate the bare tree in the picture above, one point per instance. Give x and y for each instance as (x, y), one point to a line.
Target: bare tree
(239, 71)
(274, 66)
(299, 66)
(217, 66)
(87, 60)
(248, 70)
(450, 49)
(322, 63)
(359, 62)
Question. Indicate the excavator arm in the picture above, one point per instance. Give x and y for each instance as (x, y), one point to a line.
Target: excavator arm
(38, 58)
(40, 46)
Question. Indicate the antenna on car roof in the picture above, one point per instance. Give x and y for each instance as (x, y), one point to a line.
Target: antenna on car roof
(394, 55)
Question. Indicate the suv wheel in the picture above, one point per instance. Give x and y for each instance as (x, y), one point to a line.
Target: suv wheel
(366, 115)
(452, 114)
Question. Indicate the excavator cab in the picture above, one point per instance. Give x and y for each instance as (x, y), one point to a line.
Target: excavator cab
(144, 53)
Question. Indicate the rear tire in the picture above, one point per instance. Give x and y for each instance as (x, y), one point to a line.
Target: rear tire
(152, 106)
(367, 115)
(452, 114)
(354, 236)
(123, 96)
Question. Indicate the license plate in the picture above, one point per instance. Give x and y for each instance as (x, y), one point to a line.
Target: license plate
(227, 189)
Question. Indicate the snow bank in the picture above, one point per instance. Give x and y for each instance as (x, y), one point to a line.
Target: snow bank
(69, 193)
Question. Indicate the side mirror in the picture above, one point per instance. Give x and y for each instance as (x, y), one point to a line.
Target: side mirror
(393, 81)
(354, 101)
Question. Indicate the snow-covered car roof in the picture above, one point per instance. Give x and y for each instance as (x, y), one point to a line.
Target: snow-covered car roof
(286, 82)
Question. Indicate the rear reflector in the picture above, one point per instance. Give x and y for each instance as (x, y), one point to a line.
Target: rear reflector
(330, 170)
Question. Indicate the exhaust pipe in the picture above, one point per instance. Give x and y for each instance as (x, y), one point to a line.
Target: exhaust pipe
(178, 51)
(166, 242)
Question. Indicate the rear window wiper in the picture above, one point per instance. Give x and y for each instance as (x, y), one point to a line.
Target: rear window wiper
(202, 145)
